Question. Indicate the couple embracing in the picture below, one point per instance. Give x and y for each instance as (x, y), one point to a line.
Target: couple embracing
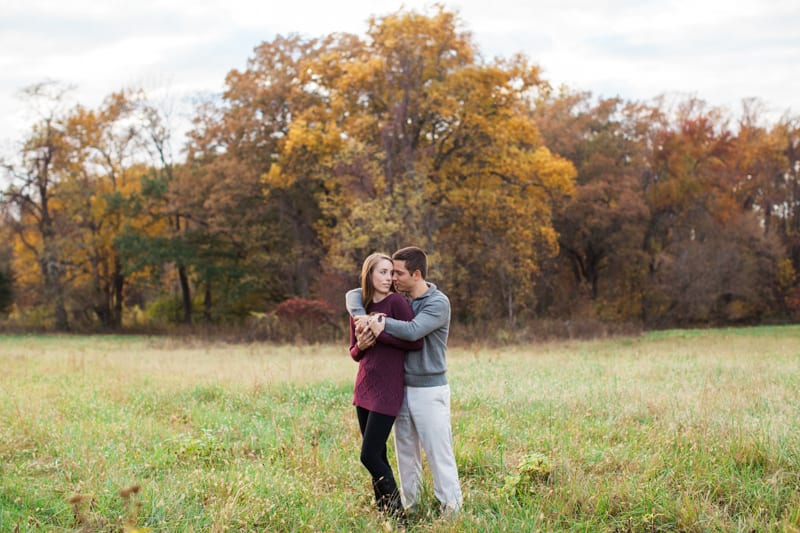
(400, 340)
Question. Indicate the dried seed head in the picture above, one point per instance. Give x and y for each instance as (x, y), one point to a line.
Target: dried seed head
(127, 491)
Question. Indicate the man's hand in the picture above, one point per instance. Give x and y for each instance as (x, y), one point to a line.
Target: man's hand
(376, 325)
(365, 339)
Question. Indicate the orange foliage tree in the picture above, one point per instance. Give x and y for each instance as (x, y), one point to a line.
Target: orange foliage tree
(710, 261)
(602, 227)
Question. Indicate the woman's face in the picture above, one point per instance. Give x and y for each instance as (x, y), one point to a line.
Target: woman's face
(382, 277)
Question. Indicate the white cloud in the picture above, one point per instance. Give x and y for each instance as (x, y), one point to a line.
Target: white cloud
(721, 52)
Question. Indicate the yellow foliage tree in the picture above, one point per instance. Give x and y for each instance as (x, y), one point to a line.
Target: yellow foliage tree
(69, 200)
(415, 140)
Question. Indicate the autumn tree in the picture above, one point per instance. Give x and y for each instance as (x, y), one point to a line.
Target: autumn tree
(31, 202)
(709, 262)
(766, 182)
(155, 243)
(103, 173)
(70, 202)
(258, 247)
(322, 150)
(416, 140)
(788, 131)
(602, 227)
(768, 166)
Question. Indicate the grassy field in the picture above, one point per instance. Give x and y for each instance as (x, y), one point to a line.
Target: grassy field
(671, 431)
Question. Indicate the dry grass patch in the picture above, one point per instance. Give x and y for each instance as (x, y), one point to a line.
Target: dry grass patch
(674, 431)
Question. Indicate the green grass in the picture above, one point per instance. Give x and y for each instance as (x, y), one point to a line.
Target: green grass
(672, 431)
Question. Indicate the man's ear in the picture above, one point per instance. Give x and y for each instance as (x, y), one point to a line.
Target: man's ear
(417, 275)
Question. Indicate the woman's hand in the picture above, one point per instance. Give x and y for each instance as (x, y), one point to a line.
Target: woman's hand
(365, 339)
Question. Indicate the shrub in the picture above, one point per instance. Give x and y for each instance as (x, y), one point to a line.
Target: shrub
(164, 309)
(302, 309)
(534, 469)
(302, 320)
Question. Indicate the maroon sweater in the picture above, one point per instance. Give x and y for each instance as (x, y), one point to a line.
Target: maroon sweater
(379, 382)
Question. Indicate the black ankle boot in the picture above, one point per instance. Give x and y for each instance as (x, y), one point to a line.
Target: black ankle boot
(390, 502)
(379, 501)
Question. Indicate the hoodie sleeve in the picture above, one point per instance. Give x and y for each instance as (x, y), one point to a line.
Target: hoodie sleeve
(355, 303)
(400, 310)
(434, 314)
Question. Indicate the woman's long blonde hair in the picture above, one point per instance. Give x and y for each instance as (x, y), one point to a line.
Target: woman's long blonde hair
(367, 288)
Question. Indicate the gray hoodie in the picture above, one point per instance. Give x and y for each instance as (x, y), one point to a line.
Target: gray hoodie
(426, 367)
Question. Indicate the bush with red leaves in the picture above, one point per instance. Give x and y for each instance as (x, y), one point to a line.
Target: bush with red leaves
(304, 320)
(301, 309)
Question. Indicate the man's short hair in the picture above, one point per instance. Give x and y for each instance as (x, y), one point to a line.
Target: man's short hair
(414, 258)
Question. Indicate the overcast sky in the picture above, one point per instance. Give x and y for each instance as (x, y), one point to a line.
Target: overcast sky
(719, 51)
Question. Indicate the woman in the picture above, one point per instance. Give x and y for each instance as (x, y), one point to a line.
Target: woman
(378, 392)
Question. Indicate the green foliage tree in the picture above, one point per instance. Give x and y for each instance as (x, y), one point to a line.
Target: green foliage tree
(158, 245)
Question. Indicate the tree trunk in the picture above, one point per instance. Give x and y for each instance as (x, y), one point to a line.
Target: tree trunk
(510, 305)
(115, 320)
(62, 323)
(54, 290)
(207, 303)
(186, 293)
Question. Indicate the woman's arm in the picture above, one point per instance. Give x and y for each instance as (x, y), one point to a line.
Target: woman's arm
(355, 352)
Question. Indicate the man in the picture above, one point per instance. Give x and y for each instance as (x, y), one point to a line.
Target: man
(424, 418)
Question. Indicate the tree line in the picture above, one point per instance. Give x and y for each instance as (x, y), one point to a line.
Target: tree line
(533, 202)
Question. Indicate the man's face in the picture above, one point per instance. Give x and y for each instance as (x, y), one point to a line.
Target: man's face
(403, 281)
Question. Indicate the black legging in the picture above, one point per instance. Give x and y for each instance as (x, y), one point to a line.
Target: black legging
(375, 429)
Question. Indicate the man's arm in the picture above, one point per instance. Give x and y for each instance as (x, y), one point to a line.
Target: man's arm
(355, 308)
(430, 318)
(401, 311)
(354, 302)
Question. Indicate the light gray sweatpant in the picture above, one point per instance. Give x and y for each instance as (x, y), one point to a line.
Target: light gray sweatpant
(424, 424)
